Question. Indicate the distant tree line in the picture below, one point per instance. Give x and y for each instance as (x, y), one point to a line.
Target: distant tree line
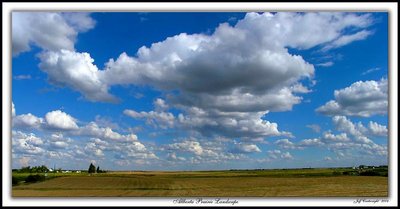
(364, 170)
(34, 169)
(44, 169)
(35, 175)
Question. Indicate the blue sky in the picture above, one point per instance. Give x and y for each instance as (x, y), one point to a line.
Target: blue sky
(195, 91)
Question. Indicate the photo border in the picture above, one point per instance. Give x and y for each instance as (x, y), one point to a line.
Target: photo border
(391, 8)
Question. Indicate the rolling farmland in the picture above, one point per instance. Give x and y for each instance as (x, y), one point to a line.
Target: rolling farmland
(257, 183)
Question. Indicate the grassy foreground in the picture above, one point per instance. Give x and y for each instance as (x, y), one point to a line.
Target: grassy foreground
(259, 183)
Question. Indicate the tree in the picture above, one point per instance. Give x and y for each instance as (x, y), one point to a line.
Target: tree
(14, 180)
(25, 169)
(98, 169)
(34, 178)
(39, 169)
(43, 169)
(92, 168)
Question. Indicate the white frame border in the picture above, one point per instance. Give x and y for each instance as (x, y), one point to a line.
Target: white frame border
(7, 200)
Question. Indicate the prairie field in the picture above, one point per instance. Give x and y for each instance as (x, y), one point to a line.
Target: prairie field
(253, 183)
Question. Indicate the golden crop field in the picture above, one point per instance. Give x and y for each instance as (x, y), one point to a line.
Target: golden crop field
(275, 183)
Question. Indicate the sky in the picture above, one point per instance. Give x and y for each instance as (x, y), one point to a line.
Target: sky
(199, 91)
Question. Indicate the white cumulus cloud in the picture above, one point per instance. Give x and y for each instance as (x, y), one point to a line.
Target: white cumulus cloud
(311, 142)
(278, 154)
(158, 119)
(47, 30)
(285, 144)
(377, 129)
(60, 120)
(23, 143)
(75, 70)
(187, 146)
(362, 98)
(27, 121)
(92, 129)
(246, 148)
(228, 124)
(335, 138)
